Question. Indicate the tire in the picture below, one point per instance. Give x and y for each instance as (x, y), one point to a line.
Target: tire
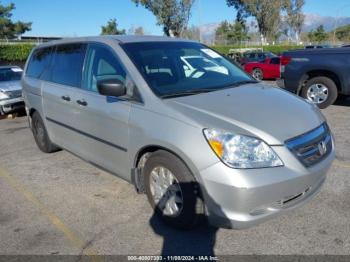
(40, 135)
(320, 82)
(258, 74)
(188, 213)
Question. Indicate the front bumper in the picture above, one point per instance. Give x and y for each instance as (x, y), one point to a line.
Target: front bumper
(10, 105)
(241, 198)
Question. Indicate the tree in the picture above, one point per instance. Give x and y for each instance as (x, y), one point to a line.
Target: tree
(319, 35)
(343, 33)
(136, 30)
(173, 15)
(223, 31)
(8, 28)
(295, 16)
(266, 13)
(139, 31)
(234, 32)
(112, 28)
(192, 33)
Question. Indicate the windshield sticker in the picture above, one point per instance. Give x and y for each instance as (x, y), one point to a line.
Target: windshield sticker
(211, 53)
(14, 69)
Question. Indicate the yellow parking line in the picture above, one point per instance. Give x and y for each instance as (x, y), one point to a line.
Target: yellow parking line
(54, 219)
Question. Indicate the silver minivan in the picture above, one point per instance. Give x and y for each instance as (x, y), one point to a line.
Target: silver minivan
(200, 140)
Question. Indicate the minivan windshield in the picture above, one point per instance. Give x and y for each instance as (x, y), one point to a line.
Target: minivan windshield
(10, 74)
(183, 68)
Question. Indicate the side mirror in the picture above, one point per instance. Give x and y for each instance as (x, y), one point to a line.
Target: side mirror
(111, 87)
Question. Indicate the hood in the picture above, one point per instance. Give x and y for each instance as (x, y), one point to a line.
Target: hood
(10, 86)
(267, 112)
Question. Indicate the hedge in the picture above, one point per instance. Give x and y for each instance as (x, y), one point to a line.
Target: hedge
(277, 49)
(20, 52)
(15, 52)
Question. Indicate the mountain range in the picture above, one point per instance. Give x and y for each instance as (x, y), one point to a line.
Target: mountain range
(311, 22)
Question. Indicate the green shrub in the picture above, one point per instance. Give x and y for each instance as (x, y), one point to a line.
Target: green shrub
(15, 52)
(20, 52)
(277, 49)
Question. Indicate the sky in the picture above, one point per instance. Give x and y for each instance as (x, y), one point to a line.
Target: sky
(66, 18)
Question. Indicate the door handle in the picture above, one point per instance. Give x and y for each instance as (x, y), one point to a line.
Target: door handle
(82, 102)
(66, 98)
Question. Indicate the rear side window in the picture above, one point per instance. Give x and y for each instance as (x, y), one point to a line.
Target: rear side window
(39, 63)
(67, 64)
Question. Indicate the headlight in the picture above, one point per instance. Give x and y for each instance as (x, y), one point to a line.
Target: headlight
(239, 151)
(3, 96)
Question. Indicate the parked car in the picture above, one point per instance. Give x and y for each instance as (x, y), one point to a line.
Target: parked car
(318, 75)
(10, 89)
(267, 69)
(236, 54)
(217, 143)
(255, 57)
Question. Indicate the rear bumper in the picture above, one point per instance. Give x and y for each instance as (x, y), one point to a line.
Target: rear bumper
(11, 105)
(237, 198)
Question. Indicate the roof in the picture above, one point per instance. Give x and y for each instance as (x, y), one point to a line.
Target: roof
(119, 38)
(146, 38)
(8, 66)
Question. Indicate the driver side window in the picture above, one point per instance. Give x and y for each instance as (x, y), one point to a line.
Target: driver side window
(101, 63)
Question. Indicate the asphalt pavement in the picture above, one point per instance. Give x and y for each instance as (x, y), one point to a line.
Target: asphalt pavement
(59, 204)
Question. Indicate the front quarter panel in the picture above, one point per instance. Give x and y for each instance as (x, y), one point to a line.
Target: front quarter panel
(149, 128)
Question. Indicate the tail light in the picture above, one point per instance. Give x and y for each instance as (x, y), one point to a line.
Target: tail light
(285, 60)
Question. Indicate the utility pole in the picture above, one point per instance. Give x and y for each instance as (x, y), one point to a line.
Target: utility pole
(200, 20)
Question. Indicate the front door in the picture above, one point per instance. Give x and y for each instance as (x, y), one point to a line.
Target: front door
(275, 67)
(102, 121)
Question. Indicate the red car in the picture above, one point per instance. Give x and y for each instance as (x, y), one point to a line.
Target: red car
(267, 69)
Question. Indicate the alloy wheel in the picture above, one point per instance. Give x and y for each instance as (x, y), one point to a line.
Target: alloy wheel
(257, 74)
(317, 93)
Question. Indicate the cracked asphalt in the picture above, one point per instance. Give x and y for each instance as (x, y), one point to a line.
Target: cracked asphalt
(59, 204)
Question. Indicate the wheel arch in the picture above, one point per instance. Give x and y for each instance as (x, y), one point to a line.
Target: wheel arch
(319, 72)
(32, 111)
(149, 149)
(138, 177)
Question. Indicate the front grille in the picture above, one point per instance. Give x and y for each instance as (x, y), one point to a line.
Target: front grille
(310, 148)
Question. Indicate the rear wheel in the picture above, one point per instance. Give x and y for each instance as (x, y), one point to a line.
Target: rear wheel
(40, 135)
(321, 91)
(171, 190)
(258, 74)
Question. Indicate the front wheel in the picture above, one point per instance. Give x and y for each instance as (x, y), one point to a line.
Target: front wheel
(321, 91)
(171, 190)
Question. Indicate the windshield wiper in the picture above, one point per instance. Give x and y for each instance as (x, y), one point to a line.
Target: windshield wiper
(239, 83)
(206, 90)
(188, 93)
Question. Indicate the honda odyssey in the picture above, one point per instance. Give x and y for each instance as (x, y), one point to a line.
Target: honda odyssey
(197, 142)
